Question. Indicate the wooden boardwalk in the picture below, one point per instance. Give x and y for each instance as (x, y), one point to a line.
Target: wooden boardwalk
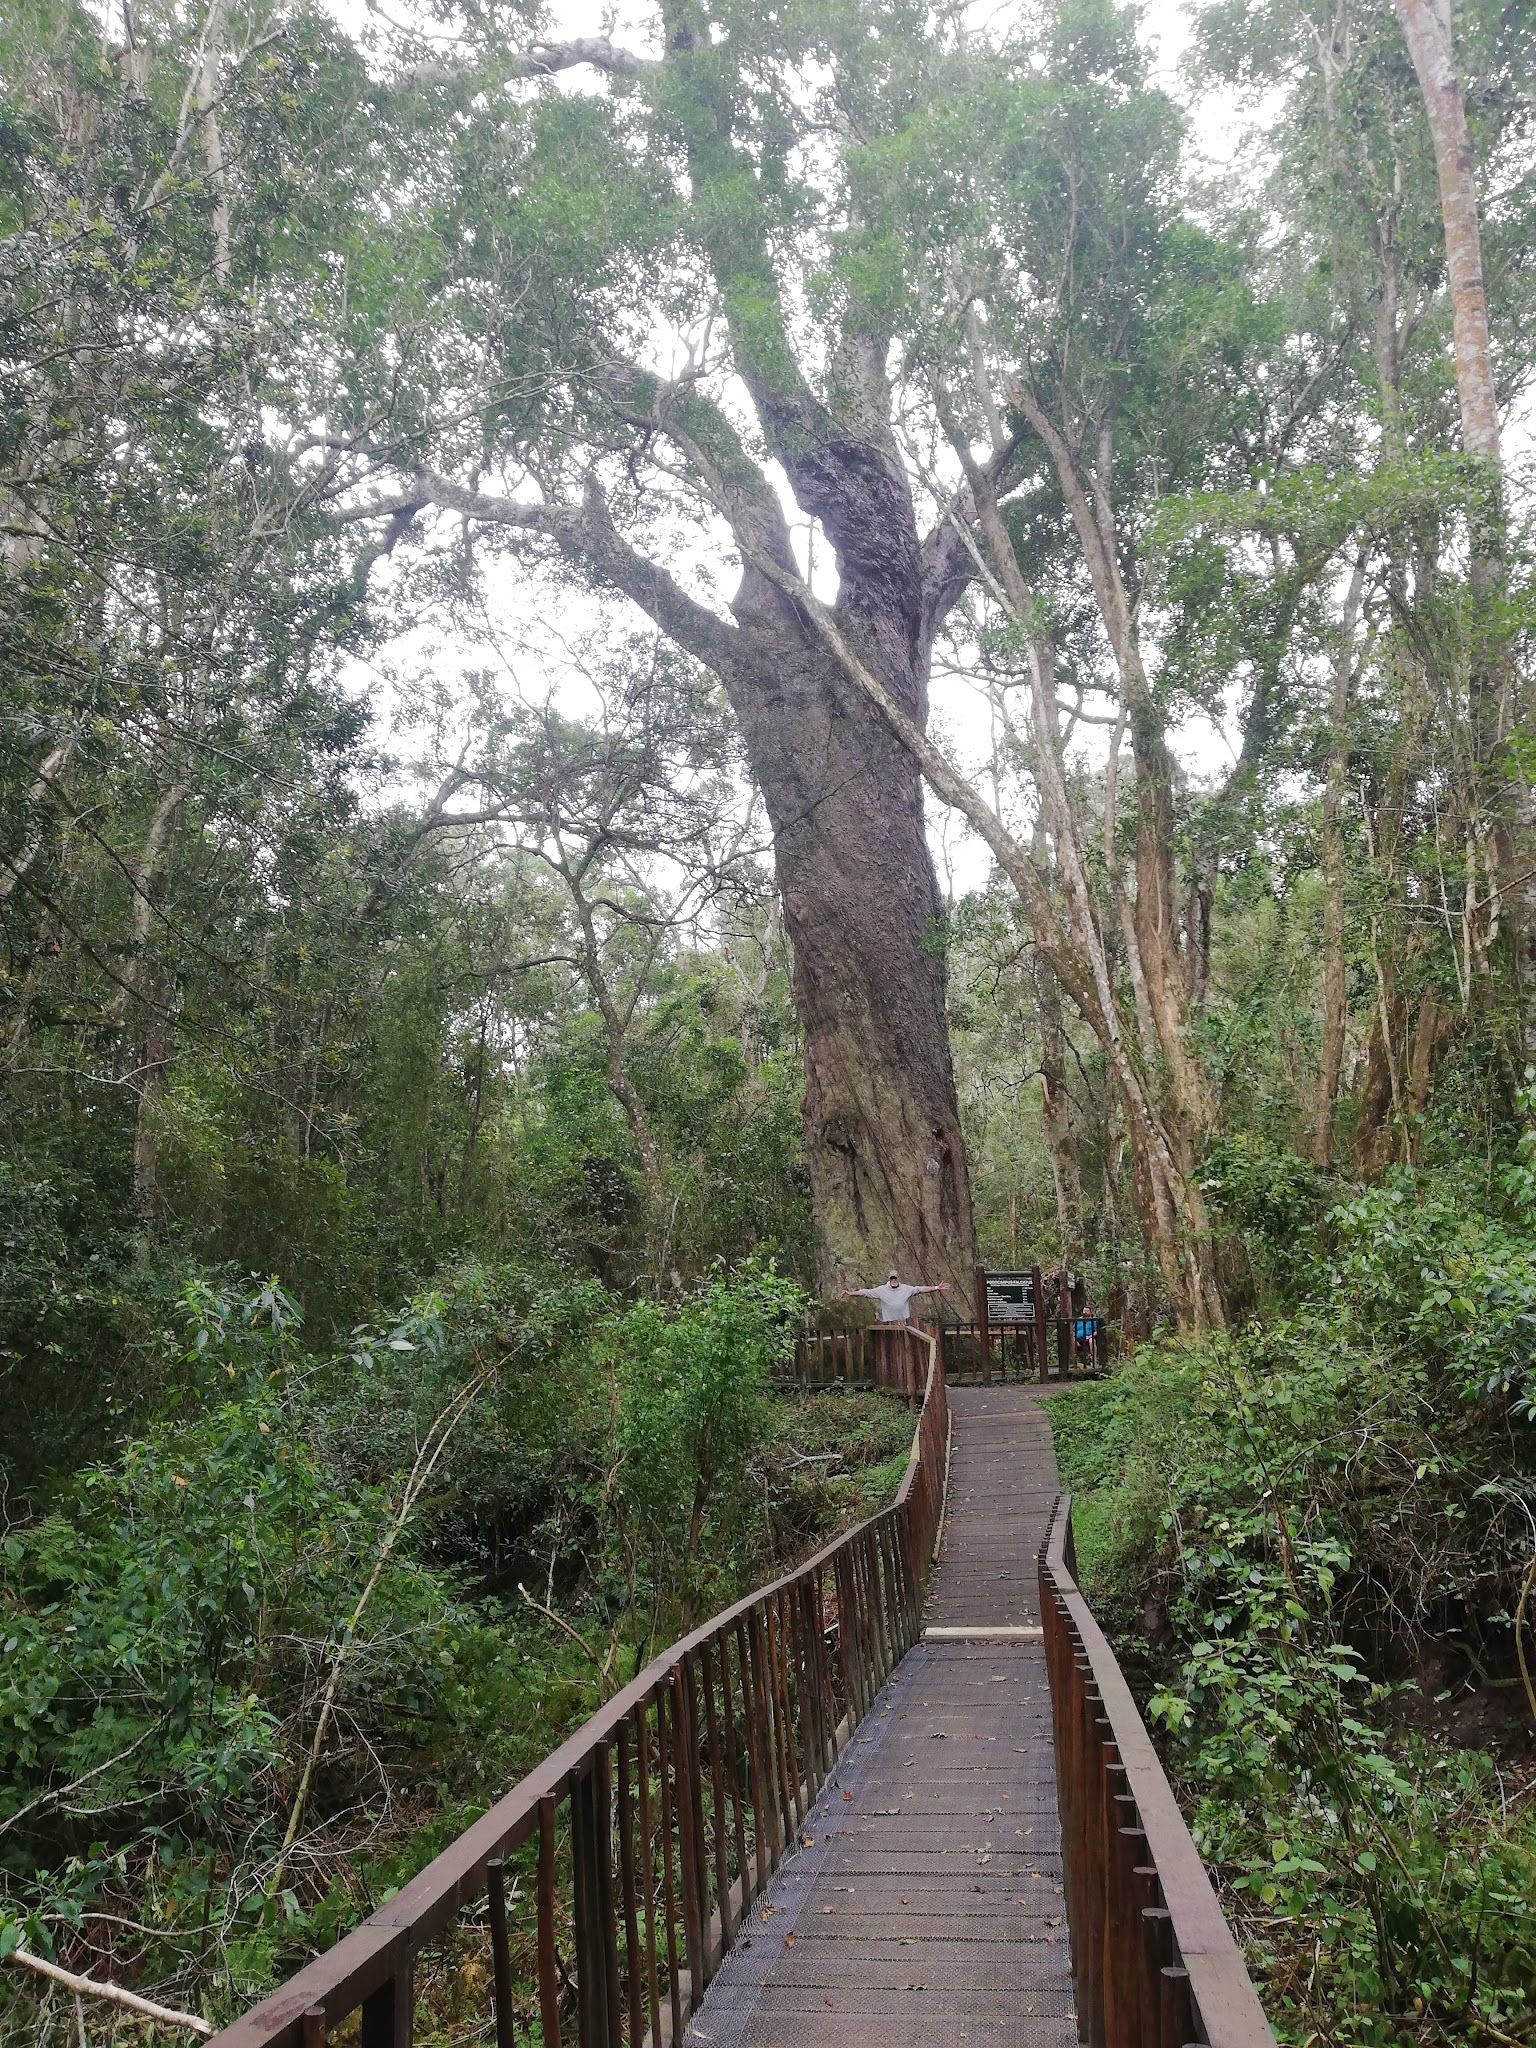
(924, 1906)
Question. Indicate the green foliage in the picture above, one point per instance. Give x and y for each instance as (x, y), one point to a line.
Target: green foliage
(1311, 1537)
(499, 1023)
(1274, 1200)
(169, 1624)
(693, 1410)
(1454, 1277)
(163, 1628)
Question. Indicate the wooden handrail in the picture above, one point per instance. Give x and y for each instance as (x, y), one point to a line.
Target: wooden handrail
(854, 1354)
(1155, 1963)
(701, 1769)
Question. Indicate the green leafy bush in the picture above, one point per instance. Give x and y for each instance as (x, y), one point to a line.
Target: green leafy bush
(1310, 1538)
(167, 1629)
(693, 1409)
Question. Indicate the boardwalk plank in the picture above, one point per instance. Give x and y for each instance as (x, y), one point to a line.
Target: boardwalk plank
(924, 1904)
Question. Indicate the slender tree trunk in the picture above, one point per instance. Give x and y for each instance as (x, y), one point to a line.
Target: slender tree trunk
(45, 786)
(207, 95)
(1427, 28)
(152, 1079)
(1335, 992)
(1498, 705)
(1197, 937)
(1056, 1111)
(616, 1024)
(1170, 1200)
(153, 1050)
(1381, 1123)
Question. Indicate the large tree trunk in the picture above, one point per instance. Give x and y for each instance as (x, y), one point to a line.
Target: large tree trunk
(844, 798)
(861, 906)
(1172, 1204)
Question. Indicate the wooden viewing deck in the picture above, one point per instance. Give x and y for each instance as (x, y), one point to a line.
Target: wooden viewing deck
(882, 1802)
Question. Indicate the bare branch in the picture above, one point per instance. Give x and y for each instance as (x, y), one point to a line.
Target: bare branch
(114, 1994)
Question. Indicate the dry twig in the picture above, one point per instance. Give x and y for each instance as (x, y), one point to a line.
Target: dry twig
(114, 1994)
(432, 1446)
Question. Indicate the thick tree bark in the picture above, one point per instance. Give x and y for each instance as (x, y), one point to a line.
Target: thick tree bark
(861, 907)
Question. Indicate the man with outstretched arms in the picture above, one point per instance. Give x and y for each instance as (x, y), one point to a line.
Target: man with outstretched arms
(892, 1299)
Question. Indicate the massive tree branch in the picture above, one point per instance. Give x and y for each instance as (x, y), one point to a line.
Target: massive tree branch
(705, 437)
(844, 473)
(587, 534)
(539, 60)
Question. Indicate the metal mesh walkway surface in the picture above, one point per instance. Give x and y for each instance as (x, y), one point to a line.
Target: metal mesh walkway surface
(924, 1906)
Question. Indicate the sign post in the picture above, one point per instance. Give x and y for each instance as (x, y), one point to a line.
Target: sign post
(1040, 1326)
(983, 1325)
(1006, 1301)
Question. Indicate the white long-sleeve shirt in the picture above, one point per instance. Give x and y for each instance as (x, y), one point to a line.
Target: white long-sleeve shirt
(891, 1302)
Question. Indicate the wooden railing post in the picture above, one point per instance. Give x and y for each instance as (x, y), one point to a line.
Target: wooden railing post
(983, 1325)
(549, 1974)
(634, 1978)
(388, 2013)
(689, 1826)
(1154, 1962)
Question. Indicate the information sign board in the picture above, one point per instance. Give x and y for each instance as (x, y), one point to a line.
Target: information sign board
(1010, 1297)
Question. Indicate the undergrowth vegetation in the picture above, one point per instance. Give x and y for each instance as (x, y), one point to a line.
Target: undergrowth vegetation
(260, 1665)
(1315, 1542)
